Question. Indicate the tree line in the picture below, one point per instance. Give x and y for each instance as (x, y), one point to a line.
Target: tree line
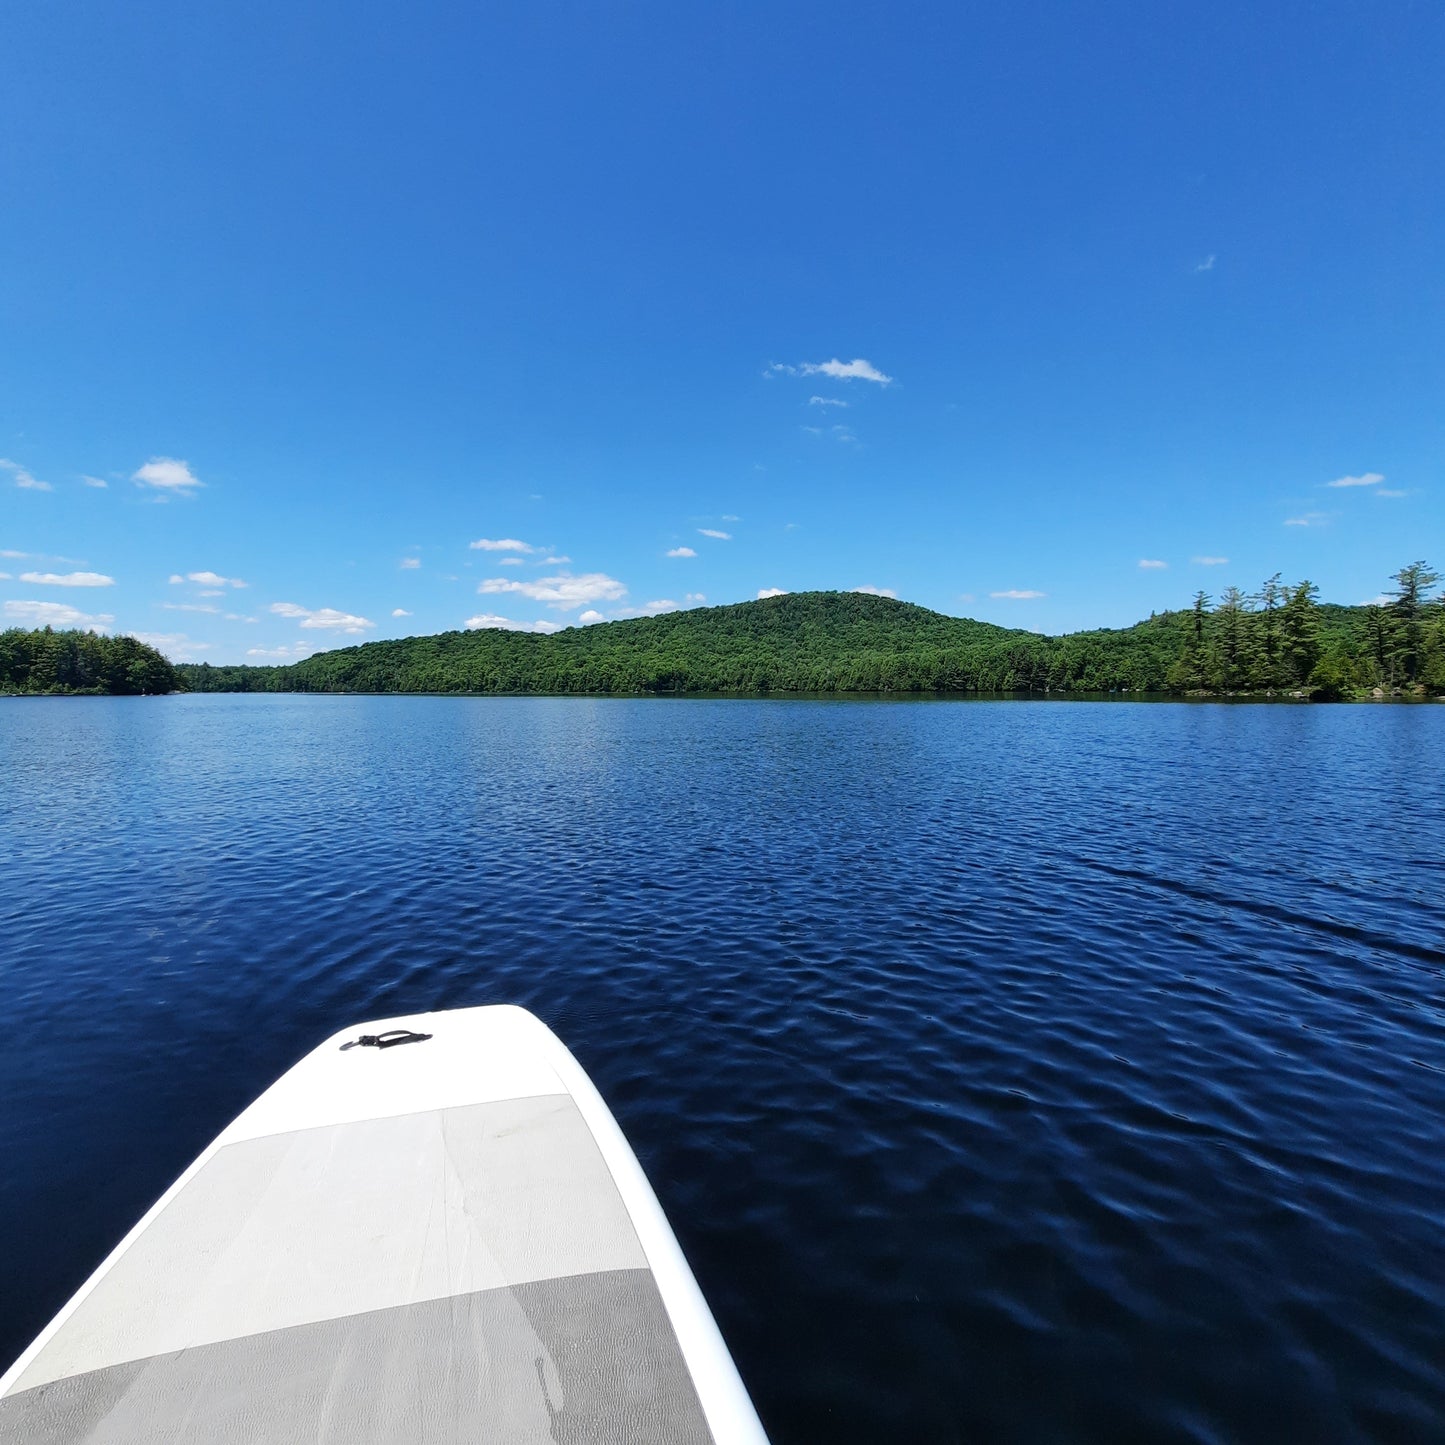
(1281, 639)
(52, 663)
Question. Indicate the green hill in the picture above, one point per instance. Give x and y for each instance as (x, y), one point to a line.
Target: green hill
(842, 642)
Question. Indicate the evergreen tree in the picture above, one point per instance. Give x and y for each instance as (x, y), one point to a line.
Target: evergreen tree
(1231, 630)
(1267, 659)
(1300, 631)
(1408, 614)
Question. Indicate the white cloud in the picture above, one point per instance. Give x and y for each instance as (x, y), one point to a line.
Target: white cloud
(207, 579)
(57, 614)
(764, 592)
(1365, 479)
(23, 479)
(1210, 561)
(826, 401)
(410, 563)
(843, 434)
(4, 577)
(813, 431)
(237, 617)
(189, 607)
(855, 370)
(731, 517)
(1019, 594)
(323, 617)
(502, 544)
(299, 649)
(1389, 492)
(713, 532)
(9, 552)
(400, 612)
(1382, 599)
(69, 579)
(663, 604)
(1207, 264)
(1152, 564)
(681, 552)
(176, 645)
(691, 599)
(1309, 519)
(562, 591)
(511, 562)
(555, 561)
(168, 475)
(870, 591)
(93, 481)
(489, 621)
(590, 616)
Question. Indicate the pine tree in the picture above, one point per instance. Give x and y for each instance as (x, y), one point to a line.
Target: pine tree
(1300, 631)
(1408, 613)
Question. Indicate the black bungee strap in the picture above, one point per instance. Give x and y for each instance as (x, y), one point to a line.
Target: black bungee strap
(388, 1040)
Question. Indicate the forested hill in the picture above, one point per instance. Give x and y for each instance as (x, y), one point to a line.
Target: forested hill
(849, 642)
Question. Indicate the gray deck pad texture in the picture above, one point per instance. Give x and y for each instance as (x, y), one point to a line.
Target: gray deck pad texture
(466, 1274)
(587, 1358)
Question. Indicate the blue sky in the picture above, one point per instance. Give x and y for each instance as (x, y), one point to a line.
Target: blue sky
(988, 307)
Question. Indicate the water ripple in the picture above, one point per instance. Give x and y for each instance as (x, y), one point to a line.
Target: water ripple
(1010, 1071)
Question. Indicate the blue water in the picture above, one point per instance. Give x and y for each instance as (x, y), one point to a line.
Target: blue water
(1010, 1071)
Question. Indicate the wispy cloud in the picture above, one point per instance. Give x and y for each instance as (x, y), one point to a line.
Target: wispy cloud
(501, 544)
(489, 621)
(206, 579)
(511, 562)
(681, 552)
(731, 517)
(1152, 564)
(327, 618)
(1210, 561)
(189, 607)
(766, 592)
(167, 474)
(1389, 492)
(562, 591)
(691, 599)
(1365, 479)
(713, 532)
(410, 564)
(1308, 519)
(176, 645)
(295, 650)
(68, 579)
(555, 561)
(400, 612)
(870, 591)
(23, 479)
(94, 481)
(1019, 594)
(57, 614)
(826, 401)
(855, 370)
(1207, 264)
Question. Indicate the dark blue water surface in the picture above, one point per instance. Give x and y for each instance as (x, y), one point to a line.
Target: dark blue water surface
(1009, 1071)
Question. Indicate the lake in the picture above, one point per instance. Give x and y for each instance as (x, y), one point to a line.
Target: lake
(1029, 1071)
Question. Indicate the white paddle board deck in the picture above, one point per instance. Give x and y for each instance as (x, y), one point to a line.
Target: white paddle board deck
(439, 1240)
